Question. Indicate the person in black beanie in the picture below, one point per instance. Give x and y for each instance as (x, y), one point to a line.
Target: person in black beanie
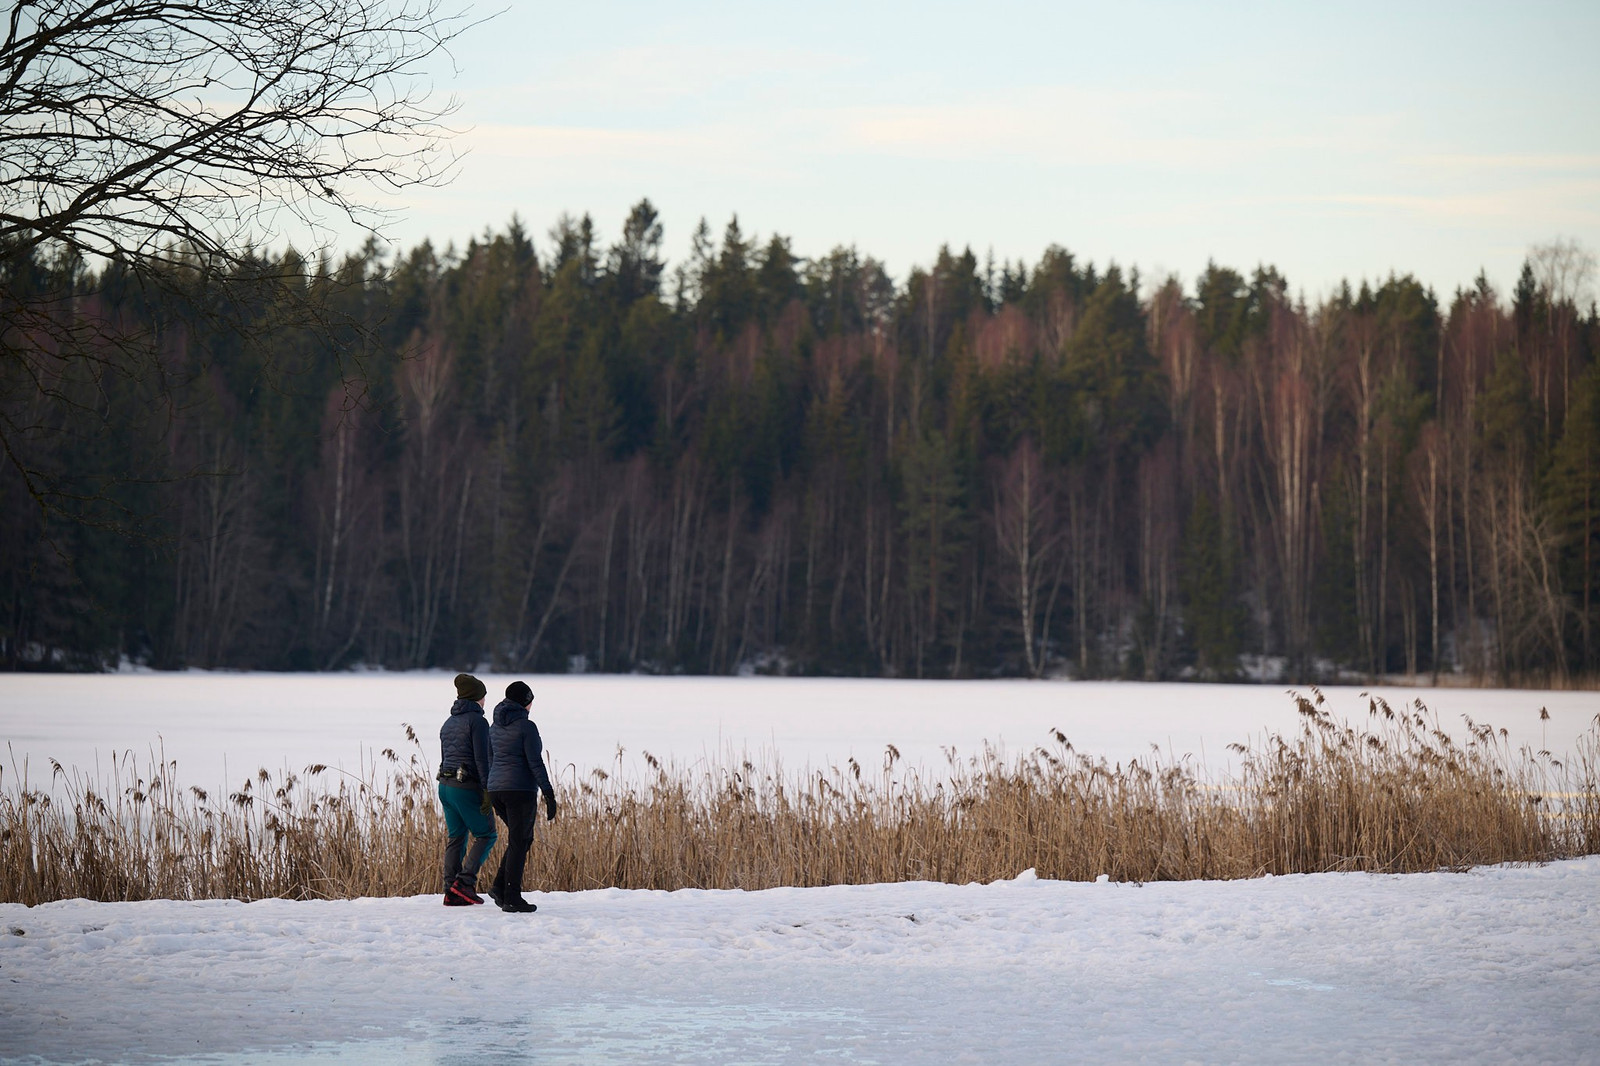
(463, 783)
(515, 779)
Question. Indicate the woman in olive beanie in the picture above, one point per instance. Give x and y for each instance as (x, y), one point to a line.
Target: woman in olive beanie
(463, 784)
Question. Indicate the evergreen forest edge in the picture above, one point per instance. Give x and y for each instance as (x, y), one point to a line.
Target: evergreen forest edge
(578, 459)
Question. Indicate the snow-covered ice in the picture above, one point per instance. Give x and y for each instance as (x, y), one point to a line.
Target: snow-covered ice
(1496, 965)
(276, 720)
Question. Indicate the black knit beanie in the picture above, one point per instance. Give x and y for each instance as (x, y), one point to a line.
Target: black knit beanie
(469, 688)
(519, 692)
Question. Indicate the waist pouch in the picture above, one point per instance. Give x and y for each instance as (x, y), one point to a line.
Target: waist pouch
(460, 778)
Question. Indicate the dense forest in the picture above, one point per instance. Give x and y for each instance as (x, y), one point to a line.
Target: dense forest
(570, 457)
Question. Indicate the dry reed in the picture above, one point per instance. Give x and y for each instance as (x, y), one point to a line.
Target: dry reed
(1399, 795)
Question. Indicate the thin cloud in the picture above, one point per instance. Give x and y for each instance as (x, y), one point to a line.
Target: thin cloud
(578, 143)
(1558, 162)
(1565, 203)
(649, 79)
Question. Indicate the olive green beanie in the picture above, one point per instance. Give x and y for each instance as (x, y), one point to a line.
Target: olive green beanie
(469, 688)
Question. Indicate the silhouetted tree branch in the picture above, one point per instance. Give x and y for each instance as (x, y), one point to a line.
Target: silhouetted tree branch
(153, 145)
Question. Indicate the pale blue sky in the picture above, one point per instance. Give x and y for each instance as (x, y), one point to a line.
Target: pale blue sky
(1333, 140)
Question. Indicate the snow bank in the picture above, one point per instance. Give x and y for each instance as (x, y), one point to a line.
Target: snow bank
(1495, 965)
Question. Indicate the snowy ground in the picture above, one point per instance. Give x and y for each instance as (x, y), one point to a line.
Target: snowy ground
(250, 720)
(1496, 965)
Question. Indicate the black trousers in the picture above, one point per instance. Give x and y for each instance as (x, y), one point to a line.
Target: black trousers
(516, 808)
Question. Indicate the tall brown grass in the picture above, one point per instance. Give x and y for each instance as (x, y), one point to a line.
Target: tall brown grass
(1396, 795)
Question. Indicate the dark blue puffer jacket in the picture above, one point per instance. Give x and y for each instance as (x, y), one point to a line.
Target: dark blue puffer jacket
(464, 741)
(518, 752)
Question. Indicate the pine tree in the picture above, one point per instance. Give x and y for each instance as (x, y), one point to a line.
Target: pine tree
(1213, 615)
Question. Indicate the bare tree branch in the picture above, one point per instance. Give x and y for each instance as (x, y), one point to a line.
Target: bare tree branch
(157, 144)
(144, 130)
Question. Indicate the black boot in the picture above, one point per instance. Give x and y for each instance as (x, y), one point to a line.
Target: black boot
(462, 891)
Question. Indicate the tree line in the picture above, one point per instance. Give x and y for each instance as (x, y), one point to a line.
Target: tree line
(573, 457)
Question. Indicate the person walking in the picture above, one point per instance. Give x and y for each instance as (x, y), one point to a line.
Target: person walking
(464, 759)
(515, 780)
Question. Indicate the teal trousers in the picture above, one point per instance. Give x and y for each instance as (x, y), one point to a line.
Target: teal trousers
(463, 814)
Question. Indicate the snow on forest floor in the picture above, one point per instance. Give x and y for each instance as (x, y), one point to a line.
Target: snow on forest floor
(1494, 965)
(207, 720)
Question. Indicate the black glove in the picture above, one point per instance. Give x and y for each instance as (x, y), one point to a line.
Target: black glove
(485, 806)
(550, 807)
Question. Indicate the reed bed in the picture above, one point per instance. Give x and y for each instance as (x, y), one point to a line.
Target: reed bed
(1395, 795)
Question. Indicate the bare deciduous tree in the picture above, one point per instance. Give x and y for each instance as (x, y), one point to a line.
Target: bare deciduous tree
(1427, 466)
(1026, 531)
(137, 131)
(1290, 398)
(1564, 270)
(165, 140)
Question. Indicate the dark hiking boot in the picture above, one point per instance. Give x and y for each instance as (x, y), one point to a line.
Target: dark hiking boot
(462, 893)
(453, 900)
(517, 905)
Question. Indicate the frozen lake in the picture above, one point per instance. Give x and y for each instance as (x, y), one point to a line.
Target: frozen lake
(244, 721)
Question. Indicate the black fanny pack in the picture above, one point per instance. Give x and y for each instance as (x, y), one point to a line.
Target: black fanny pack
(459, 776)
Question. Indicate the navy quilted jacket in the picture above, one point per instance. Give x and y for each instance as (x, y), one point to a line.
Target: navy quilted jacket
(518, 752)
(464, 741)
